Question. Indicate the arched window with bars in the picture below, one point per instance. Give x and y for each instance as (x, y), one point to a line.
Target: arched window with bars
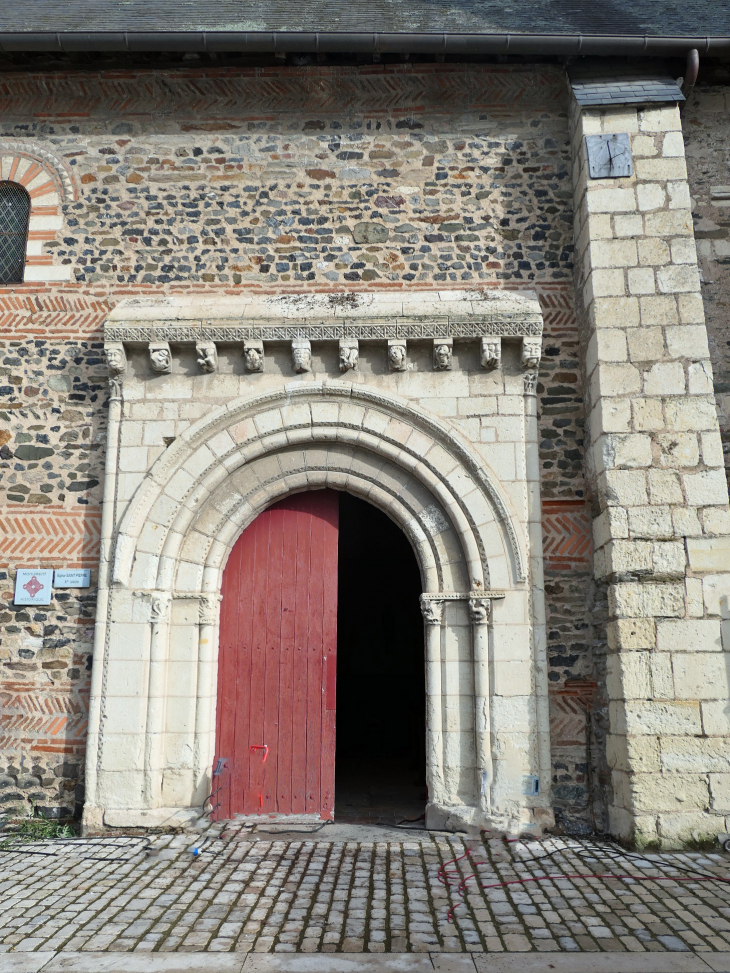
(14, 220)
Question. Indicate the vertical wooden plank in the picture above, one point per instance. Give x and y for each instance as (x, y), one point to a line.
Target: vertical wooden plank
(259, 580)
(315, 702)
(284, 793)
(226, 699)
(331, 512)
(299, 680)
(267, 759)
(249, 542)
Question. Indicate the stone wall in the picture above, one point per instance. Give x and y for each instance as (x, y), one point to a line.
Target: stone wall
(279, 181)
(662, 526)
(707, 140)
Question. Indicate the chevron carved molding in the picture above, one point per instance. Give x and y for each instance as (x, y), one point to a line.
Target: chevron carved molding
(45, 537)
(42, 718)
(236, 93)
(566, 532)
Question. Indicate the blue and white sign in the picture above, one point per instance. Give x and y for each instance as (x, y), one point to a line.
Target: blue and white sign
(68, 578)
(33, 586)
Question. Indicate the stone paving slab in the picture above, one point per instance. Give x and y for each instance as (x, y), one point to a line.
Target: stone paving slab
(435, 894)
(362, 963)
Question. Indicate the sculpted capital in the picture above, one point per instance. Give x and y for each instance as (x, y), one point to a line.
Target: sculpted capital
(208, 609)
(432, 610)
(479, 609)
(160, 606)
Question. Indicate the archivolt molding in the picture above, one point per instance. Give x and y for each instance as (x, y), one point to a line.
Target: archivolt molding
(190, 508)
(53, 166)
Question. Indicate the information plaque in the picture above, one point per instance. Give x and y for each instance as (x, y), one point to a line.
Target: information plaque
(33, 586)
(72, 578)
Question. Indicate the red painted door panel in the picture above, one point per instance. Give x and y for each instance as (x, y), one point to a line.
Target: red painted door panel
(275, 721)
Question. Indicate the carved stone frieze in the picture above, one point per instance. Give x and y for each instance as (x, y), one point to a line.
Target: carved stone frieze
(360, 331)
(160, 357)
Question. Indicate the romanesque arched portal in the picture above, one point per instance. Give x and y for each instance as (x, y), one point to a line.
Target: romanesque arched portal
(214, 420)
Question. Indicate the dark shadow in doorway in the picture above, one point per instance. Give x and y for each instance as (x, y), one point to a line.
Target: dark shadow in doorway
(381, 695)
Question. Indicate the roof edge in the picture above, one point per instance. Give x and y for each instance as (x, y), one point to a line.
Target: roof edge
(365, 43)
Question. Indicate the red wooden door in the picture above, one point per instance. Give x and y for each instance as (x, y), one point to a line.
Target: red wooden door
(275, 722)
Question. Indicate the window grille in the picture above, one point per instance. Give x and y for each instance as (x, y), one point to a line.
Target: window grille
(14, 217)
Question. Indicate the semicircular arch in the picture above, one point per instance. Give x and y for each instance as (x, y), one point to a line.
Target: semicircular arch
(239, 458)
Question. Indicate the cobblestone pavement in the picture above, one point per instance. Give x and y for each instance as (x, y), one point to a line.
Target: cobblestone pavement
(428, 893)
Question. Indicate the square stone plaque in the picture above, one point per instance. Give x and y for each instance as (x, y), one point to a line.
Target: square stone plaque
(33, 586)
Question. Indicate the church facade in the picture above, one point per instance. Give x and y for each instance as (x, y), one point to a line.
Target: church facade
(485, 299)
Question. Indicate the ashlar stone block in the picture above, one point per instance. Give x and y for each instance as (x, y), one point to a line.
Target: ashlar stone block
(689, 635)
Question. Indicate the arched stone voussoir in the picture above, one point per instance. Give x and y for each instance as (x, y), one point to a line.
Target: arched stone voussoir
(394, 506)
(379, 430)
(399, 483)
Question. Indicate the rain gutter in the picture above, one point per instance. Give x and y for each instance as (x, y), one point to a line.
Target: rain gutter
(282, 42)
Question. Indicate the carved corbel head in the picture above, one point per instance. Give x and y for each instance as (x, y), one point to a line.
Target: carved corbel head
(397, 355)
(531, 352)
(116, 358)
(301, 353)
(207, 355)
(443, 350)
(349, 354)
(490, 352)
(253, 355)
(160, 357)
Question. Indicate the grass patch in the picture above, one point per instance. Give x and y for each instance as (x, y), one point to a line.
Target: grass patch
(34, 829)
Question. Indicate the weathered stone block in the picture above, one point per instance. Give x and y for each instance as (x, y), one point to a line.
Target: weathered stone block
(720, 792)
(716, 594)
(664, 378)
(705, 488)
(637, 599)
(678, 279)
(650, 521)
(709, 554)
(677, 450)
(645, 344)
(669, 792)
(650, 196)
(664, 487)
(633, 754)
(661, 718)
(628, 675)
(632, 633)
(696, 635)
(701, 676)
(693, 755)
(695, 413)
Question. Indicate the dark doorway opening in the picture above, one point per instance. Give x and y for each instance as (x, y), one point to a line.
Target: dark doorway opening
(380, 757)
